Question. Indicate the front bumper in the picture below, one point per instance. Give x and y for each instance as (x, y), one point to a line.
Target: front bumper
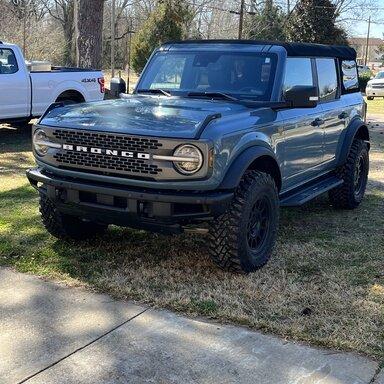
(376, 92)
(155, 210)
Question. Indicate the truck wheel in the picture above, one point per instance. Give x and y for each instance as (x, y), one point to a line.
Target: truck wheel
(21, 124)
(67, 227)
(355, 175)
(241, 240)
(369, 97)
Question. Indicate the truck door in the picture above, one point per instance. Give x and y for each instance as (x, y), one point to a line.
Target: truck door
(303, 133)
(14, 86)
(334, 115)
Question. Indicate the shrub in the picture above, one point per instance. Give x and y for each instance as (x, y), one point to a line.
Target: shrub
(363, 80)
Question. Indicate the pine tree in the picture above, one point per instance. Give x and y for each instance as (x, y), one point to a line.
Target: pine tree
(314, 21)
(166, 23)
(266, 25)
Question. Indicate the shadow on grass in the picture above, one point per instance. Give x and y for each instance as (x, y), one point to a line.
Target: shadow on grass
(14, 140)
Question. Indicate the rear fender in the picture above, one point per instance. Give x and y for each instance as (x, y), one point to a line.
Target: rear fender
(357, 127)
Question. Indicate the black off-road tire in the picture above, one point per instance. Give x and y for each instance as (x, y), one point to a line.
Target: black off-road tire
(66, 227)
(355, 176)
(233, 234)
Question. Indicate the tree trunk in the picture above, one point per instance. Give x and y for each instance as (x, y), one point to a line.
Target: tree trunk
(88, 30)
(68, 29)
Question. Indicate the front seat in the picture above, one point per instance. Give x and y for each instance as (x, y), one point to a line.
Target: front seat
(12, 64)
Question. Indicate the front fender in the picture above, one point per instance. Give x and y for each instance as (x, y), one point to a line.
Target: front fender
(242, 163)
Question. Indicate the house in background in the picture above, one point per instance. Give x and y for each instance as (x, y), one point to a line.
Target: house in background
(375, 50)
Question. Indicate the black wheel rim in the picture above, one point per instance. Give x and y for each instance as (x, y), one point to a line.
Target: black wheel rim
(258, 224)
(360, 175)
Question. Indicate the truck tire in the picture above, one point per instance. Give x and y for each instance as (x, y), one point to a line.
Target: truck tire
(21, 124)
(369, 97)
(242, 239)
(66, 227)
(354, 172)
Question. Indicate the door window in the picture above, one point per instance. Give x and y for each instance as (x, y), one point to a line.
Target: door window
(8, 62)
(298, 71)
(327, 78)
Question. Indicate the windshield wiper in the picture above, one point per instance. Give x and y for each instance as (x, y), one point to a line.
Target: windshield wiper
(156, 91)
(213, 95)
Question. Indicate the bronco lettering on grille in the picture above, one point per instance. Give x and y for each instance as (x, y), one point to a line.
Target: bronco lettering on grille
(108, 152)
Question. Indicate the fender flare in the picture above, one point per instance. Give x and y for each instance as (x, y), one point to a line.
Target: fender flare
(347, 139)
(242, 162)
(70, 85)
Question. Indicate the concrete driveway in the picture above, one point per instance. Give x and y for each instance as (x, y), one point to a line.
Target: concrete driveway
(50, 333)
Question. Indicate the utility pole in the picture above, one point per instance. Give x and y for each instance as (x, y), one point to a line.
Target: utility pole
(367, 46)
(241, 17)
(113, 23)
(288, 7)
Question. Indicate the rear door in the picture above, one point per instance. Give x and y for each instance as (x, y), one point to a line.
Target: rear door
(14, 87)
(303, 135)
(333, 108)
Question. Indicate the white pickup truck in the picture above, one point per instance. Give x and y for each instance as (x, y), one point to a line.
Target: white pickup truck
(26, 94)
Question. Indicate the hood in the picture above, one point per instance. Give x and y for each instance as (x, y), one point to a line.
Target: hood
(376, 81)
(157, 116)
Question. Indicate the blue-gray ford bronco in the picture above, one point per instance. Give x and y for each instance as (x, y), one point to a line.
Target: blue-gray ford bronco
(216, 135)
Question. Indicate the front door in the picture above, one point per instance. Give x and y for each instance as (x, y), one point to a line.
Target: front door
(14, 87)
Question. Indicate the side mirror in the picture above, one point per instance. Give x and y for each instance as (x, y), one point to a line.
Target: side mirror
(302, 96)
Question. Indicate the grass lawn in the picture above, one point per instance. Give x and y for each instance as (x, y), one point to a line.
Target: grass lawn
(376, 106)
(323, 285)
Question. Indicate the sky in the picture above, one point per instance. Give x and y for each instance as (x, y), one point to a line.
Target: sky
(377, 29)
(377, 25)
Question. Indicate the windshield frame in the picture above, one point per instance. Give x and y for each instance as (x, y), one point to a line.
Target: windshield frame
(238, 95)
(381, 73)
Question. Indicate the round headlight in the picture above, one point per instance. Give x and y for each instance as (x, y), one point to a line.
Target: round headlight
(39, 140)
(191, 159)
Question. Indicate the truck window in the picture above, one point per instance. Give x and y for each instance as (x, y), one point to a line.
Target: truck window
(298, 71)
(327, 78)
(8, 62)
(169, 74)
(350, 75)
(243, 75)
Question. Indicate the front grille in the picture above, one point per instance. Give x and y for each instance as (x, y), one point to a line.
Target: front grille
(103, 162)
(106, 140)
(111, 163)
(377, 85)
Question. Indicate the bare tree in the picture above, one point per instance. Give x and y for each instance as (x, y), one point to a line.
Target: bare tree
(63, 12)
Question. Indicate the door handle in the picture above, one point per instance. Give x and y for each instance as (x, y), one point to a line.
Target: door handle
(343, 115)
(317, 122)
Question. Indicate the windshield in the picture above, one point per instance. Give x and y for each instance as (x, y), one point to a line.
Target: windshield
(380, 75)
(241, 75)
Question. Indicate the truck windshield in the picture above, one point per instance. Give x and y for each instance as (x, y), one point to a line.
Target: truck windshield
(209, 74)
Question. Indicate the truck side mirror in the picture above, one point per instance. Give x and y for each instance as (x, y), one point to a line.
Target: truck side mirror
(302, 96)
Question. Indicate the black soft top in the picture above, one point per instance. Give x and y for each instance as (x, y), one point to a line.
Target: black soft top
(293, 49)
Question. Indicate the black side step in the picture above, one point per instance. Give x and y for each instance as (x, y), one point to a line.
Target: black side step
(309, 192)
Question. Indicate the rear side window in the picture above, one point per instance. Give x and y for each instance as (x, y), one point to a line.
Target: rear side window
(350, 75)
(8, 62)
(298, 71)
(327, 79)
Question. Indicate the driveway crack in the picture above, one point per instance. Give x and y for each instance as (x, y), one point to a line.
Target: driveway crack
(82, 347)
